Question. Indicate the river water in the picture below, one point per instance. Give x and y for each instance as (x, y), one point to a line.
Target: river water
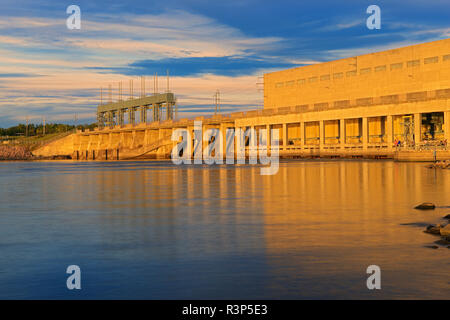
(153, 230)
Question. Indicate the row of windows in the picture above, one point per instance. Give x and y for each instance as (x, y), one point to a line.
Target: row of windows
(364, 71)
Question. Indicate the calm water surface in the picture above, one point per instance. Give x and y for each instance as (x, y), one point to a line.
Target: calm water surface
(158, 231)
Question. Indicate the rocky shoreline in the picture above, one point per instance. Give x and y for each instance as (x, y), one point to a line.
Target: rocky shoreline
(15, 153)
(441, 230)
(445, 164)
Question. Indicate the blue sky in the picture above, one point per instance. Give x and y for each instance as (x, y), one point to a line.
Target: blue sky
(49, 71)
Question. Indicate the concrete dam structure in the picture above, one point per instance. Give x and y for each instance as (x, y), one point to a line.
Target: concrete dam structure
(390, 104)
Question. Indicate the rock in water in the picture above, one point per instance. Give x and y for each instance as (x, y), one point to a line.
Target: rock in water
(433, 229)
(442, 242)
(445, 231)
(432, 247)
(425, 206)
(447, 217)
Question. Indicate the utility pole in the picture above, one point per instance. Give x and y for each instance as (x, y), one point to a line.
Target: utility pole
(43, 128)
(131, 89)
(155, 83)
(26, 128)
(168, 81)
(216, 97)
(142, 86)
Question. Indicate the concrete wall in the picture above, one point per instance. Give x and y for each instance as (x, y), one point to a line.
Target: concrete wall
(63, 146)
(422, 67)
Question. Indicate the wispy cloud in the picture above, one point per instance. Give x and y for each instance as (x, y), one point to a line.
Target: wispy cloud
(47, 69)
(196, 66)
(50, 69)
(17, 75)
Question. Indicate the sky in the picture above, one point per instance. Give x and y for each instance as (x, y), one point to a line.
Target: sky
(47, 70)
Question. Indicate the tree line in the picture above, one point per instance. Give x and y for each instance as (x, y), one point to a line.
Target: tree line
(36, 130)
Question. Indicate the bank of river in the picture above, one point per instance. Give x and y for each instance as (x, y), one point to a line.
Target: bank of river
(15, 153)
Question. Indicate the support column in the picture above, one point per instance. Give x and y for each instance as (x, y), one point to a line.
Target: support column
(253, 142)
(121, 117)
(285, 136)
(155, 112)
(342, 137)
(110, 119)
(190, 129)
(321, 135)
(417, 128)
(302, 135)
(447, 127)
(131, 116)
(143, 114)
(169, 111)
(269, 136)
(389, 132)
(365, 133)
(223, 134)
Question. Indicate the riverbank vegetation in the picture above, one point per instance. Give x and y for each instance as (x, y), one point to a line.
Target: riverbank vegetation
(18, 142)
(15, 153)
(38, 130)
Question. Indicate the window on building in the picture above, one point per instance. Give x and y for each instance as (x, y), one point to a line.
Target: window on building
(431, 60)
(279, 85)
(351, 73)
(338, 75)
(325, 77)
(290, 83)
(365, 71)
(446, 57)
(312, 79)
(413, 63)
(396, 66)
(380, 68)
(301, 82)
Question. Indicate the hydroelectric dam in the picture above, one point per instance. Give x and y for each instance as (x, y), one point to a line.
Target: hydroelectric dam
(390, 104)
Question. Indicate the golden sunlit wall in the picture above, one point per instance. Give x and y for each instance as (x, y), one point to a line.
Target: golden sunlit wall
(422, 67)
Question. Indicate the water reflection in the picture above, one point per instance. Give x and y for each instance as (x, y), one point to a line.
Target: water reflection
(154, 230)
